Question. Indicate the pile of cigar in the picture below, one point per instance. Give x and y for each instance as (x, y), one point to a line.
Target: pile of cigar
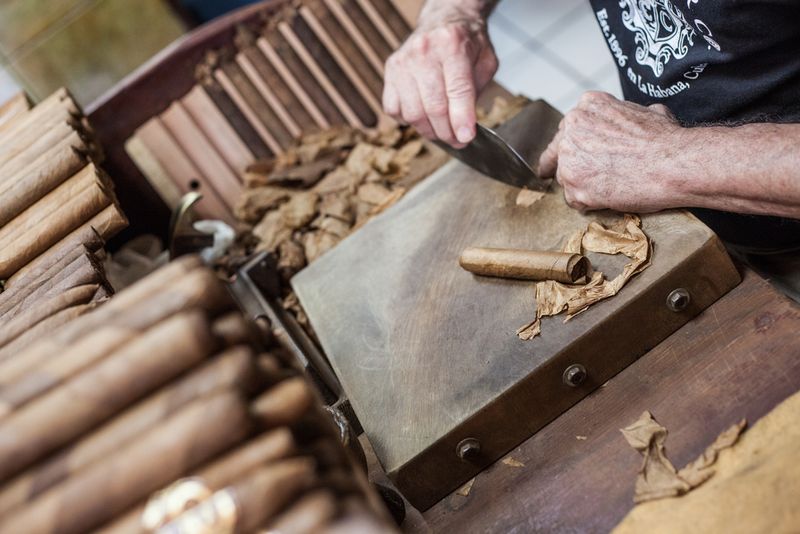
(57, 210)
(312, 66)
(163, 410)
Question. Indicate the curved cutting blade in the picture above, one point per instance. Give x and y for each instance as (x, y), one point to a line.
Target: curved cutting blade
(490, 155)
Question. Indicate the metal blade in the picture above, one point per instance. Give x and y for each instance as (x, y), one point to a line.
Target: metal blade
(490, 155)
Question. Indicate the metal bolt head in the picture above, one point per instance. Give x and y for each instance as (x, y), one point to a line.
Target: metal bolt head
(574, 375)
(678, 300)
(467, 449)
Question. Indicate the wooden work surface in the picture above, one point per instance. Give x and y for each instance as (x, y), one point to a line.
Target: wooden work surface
(739, 358)
(427, 353)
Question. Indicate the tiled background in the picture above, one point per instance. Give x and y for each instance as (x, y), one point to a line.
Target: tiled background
(551, 49)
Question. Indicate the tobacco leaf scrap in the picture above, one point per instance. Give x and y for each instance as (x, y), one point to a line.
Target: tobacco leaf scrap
(527, 198)
(511, 462)
(465, 490)
(553, 298)
(657, 477)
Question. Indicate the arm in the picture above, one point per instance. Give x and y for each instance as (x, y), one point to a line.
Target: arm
(433, 80)
(619, 155)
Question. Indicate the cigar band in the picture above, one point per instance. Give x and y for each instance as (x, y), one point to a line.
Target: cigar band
(215, 515)
(169, 503)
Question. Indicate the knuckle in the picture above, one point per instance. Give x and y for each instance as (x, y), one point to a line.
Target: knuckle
(436, 108)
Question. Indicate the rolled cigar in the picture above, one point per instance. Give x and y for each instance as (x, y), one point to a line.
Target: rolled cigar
(42, 310)
(84, 269)
(12, 296)
(43, 328)
(524, 264)
(36, 237)
(102, 294)
(99, 334)
(306, 516)
(90, 398)
(43, 175)
(285, 403)
(33, 143)
(267, 448)
(92, 234)
(42, 111)
(232, 370)
(251, 501)
(233, 329)
(35, 124)
(164, 453)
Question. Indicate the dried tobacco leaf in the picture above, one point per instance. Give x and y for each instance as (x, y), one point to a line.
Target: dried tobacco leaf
(657, 477)
(527, 198)
(553, 298)
(271, 231)
(339, 179)
(254, 203)
(291, 257)
(332, 225)
(300, 209)
(317, 243)
(337, 205)
(373, 193)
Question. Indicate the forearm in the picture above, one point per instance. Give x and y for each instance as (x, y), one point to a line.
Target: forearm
(746, 169)
(436, 12)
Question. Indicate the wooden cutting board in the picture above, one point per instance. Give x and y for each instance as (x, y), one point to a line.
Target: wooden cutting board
(427, 352)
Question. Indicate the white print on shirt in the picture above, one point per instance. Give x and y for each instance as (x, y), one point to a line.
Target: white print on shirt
(661, 34)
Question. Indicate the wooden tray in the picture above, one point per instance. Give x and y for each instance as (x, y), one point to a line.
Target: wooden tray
(427, 353)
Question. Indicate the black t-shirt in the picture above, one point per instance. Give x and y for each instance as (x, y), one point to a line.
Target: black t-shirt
(713, 61)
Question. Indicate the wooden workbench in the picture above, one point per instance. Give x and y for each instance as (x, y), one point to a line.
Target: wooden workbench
(739, 358)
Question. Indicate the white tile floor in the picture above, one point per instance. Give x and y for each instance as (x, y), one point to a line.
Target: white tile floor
(551, 49)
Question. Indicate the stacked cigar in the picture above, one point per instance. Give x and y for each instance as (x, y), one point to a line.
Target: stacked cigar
(163, 410)
(57, 210)
(316, 64)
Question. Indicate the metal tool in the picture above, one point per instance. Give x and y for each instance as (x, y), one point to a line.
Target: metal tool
(490, 155)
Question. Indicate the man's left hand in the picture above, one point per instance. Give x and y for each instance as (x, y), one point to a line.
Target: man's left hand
(617, 155)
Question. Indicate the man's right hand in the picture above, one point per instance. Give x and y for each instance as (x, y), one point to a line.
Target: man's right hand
(432, 81)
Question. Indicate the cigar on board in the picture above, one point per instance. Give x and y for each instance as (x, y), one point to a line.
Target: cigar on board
(46, 307)
(32, 372)
(88, 399)
(165, 292)
(94, 496)
(307, 516)
(525, 264)
(284, 403)
(251, 501)
(234, 369)
(269, 447)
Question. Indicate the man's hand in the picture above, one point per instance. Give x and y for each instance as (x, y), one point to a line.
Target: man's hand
(433, 80)
(618, 155)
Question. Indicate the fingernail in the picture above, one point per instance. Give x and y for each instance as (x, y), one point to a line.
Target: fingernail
(464, 134)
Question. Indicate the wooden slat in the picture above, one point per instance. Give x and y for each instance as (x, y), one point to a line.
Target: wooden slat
(268, 95)
(251, 115)
(202, 152)
(244, 130)
(297, 88)
(366, 27)
(343, 53)
(380, 24)
(160, 143)
(280, 88)
(217, 129)
(300, 72)
(256, 105)
(156, 174)
(327, 72)
(388, 12)
(335, 7)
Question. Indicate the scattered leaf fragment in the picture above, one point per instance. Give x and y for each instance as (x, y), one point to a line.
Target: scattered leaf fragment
(657, 477)
(511, 462)
(466, 488)
(527, 197)
(581, 438)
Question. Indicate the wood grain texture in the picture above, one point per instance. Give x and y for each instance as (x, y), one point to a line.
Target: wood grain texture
(739, 358)
(430, 356)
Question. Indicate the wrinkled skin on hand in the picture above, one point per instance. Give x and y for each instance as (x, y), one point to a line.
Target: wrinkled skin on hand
(616, 155)
(433, 79)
